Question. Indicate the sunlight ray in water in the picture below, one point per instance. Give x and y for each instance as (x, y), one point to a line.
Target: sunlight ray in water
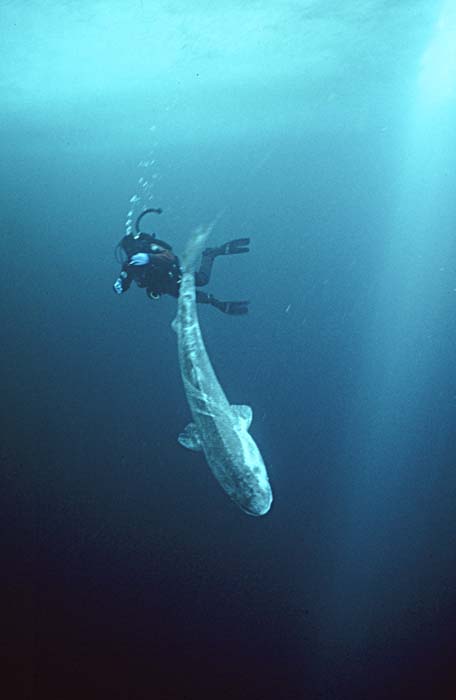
(438, 64)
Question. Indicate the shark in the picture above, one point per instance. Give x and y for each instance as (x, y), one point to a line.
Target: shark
(219, 429)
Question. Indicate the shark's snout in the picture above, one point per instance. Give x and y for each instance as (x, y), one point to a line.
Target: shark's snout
(259, 504)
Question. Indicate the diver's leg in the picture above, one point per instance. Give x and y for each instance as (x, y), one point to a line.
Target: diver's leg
(202, 297)
(233, 308)
(203, 276)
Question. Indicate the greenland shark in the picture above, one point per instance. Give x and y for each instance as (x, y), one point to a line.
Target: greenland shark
(219, 429)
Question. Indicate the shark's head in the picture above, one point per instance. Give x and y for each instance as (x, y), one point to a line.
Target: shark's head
(255, 497)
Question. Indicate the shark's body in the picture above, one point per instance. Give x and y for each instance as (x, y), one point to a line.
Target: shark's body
(219, 429)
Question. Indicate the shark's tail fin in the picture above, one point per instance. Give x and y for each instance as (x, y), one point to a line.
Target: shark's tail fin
(195, 245)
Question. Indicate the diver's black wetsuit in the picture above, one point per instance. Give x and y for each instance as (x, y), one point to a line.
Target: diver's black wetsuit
(162, 274)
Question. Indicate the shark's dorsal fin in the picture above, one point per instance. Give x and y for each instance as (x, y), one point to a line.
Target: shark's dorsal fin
(190, 438)
(244, 413)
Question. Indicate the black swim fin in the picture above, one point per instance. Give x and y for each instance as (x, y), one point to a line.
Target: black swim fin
(238, 245)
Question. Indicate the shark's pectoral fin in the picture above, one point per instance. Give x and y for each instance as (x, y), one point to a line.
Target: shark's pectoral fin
(190, 438)
(174, 325)
(244, 413)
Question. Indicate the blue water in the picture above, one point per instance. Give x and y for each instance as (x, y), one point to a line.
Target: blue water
(326, 134)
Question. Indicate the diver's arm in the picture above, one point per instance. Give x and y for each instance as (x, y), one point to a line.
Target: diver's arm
(140, 259)
(159, 259)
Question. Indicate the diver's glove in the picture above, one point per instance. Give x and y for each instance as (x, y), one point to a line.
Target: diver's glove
(238, 245)
(117, 286)
(140, 259)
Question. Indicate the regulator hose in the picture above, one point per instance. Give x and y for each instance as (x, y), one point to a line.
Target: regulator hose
(146, 211)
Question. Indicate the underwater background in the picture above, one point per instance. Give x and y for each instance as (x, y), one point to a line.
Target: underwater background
(325, 131)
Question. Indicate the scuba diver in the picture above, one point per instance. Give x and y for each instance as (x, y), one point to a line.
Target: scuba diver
(151, 263)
